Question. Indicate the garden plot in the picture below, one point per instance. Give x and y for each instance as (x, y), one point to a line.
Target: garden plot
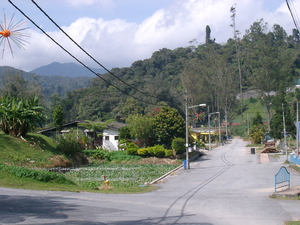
(118, 175)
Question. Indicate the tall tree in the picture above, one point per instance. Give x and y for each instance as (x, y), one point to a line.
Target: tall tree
(141, 127)
(58, 118)
(168, 124)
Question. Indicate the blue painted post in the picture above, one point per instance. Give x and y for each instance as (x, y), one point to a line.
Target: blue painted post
(184, 164)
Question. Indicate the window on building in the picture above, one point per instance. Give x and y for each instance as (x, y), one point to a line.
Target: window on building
(106, 138)
(116, 137)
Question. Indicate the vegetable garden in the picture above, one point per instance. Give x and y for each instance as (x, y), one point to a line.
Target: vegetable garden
(119, 175)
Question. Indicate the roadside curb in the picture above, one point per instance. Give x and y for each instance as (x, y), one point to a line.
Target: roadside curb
(172, 171)
(291, 192)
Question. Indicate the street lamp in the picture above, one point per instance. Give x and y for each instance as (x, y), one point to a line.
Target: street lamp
(187, 131)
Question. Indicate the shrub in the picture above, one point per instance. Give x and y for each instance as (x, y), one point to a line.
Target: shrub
(122, 156)
(143, 151)
(131, 148)
(168, 153)
(157, 150)
(200, 144)
(40, 175)
(98, 153)
(178, 144)
(68, 143)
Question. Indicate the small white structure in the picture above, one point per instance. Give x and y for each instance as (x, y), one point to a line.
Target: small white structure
(111, 136)
(110, 139)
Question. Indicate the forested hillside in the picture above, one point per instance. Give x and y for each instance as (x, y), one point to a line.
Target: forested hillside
(47, 85)
(266, 61)
(261, 60)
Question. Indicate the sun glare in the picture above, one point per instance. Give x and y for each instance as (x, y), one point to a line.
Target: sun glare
(12, 32)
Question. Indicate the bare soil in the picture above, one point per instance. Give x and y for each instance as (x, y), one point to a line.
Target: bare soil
(159, 161)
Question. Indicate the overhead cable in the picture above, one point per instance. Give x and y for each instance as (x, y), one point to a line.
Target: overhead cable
(74, 56)
(88, 53)
(294, 15)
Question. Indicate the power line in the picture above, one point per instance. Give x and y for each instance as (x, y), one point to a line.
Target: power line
(75, 57)
(293, 14)
(87, 52)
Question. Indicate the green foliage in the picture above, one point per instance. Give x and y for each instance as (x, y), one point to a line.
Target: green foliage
(178, 144)
(125, 133)
(239, 130)
(119, 175)
(58, 118)
(68, 143)
(18, 115)
(257, 119)
(40, 175)
(141, 127)
(168, 124)
(157, 151)
(131, 148)
(200, 144)
(143, 152)
(257, 133)
(95, 126)
(121, 156)
(36, 152)
(98, 153)
(168, 153)
(109, 156)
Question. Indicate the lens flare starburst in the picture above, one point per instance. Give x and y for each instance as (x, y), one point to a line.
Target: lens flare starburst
(12, 32)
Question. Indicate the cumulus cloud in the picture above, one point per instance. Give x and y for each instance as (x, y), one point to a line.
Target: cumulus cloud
(118, 43)
(78, 3)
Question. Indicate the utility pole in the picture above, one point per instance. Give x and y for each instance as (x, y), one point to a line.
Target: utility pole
(284, 133)
(297, 144)
(186, 132)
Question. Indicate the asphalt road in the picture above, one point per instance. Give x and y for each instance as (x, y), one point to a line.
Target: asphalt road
(228, 186)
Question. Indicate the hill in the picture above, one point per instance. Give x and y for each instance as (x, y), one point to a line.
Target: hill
(49, 84)
(65, 70)
(37, 151)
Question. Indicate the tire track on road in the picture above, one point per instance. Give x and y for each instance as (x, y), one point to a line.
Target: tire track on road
(190, 193)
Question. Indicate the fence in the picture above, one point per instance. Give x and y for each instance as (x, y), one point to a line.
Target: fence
(295, 159)
(282, 178)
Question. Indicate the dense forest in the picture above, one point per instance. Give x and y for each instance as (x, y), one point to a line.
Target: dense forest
(261, 60)
(266, 61)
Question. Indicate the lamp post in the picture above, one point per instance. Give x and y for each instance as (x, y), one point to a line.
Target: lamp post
(187, 131)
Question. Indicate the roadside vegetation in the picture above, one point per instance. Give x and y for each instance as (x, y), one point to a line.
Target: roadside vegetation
(23, 164)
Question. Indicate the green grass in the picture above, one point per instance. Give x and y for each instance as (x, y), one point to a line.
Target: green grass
(36, 152)
(292, 223)
(252, 107)
(21, 161)
(11, 181)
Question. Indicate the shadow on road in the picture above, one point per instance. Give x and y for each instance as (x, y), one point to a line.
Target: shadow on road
(15, 209)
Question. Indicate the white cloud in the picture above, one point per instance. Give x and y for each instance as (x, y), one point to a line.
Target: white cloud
(118, 43)
(78, 3)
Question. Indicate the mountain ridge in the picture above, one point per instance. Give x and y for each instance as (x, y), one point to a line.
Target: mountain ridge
(65, 70)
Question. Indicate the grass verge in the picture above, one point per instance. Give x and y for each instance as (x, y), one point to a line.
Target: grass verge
(11, 181)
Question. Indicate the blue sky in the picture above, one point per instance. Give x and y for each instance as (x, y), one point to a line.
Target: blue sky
(119, 32)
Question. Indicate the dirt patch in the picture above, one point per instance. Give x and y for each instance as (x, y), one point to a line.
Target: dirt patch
(105, 187)
(270, 150)
(159, 161)
(60, 161)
